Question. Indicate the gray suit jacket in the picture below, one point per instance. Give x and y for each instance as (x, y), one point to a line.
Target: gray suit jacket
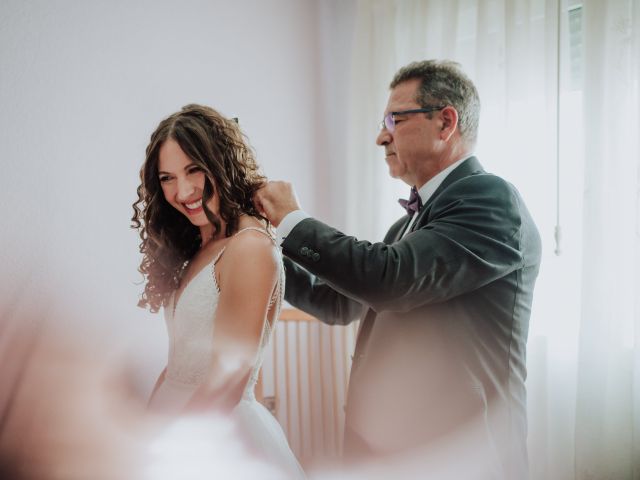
(445, 317)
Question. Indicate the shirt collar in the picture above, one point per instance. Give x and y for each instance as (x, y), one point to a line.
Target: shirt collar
(432, 185)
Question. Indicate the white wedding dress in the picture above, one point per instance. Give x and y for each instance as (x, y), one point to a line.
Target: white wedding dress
(190, 324)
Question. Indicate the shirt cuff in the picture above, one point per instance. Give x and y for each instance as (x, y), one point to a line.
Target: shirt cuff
(288, 223)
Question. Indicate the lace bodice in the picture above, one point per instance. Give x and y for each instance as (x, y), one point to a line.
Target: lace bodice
(191, 325)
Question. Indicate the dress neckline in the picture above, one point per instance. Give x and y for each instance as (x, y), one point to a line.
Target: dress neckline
(212, 263)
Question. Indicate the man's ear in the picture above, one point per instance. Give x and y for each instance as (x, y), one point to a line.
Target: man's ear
(449, 116)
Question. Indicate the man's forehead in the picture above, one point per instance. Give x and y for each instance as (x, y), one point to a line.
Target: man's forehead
(404, 94)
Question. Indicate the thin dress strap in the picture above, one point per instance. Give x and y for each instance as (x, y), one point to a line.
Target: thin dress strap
(276, 292)
(257, 229)
(278, 288)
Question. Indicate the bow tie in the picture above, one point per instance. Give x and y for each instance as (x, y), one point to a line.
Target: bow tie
(413, 204)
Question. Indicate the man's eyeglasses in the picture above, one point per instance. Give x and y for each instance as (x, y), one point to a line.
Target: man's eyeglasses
(389, 121)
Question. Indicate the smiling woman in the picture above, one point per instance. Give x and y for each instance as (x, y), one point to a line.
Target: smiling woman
(182, 184)
(214, 153)
(210, 260)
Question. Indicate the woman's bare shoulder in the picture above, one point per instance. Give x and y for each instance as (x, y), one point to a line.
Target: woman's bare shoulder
(253, 244)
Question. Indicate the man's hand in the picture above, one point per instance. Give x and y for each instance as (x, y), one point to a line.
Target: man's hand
(275, 200)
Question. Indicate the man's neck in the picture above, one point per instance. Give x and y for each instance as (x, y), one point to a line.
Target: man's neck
(428, 188)
(442, 165)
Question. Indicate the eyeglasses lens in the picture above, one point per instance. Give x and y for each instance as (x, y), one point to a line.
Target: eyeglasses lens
(389, 122)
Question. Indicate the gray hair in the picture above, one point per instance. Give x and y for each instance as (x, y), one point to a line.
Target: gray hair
(444, 83)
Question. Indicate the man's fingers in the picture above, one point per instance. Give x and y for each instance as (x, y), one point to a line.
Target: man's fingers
(274, 200)
(263, 204)
(257, 195)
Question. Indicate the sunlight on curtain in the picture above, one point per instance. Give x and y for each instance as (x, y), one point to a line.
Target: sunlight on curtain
(584, 339)
(606, 404)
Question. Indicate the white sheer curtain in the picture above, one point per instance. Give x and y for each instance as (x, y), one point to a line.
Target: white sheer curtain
(584, 342)
(608, 396)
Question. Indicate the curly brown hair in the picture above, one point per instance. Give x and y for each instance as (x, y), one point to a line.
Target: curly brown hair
(169, 240)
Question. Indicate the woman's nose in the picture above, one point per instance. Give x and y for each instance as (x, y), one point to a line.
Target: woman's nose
(185, 190)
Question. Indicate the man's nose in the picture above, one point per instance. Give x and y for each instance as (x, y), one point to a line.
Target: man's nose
(384, 137)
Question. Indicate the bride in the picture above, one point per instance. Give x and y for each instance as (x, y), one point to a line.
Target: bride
(210, 261)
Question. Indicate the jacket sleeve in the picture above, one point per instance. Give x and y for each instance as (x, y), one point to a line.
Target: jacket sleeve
(310, 294)
(469, 237)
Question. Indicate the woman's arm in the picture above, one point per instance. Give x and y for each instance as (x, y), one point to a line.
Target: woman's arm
(247, 275)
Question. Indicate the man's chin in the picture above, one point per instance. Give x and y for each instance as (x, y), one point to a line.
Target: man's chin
(398, 176)
(393, 173)
(395, 170)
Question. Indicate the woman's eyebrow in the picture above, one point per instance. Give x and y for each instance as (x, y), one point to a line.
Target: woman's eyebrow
(162, 172)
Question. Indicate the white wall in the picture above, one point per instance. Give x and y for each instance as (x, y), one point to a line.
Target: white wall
(82, 86)
(336, 20)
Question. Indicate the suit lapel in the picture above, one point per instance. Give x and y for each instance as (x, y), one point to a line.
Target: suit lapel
(468, 167)
(397, 229)
(398, 235)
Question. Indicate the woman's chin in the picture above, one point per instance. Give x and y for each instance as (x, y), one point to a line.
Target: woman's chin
(197, 217)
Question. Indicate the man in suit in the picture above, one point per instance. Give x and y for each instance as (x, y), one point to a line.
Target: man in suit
(444, 300)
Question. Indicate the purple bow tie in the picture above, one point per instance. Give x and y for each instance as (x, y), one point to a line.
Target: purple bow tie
(413, 204)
